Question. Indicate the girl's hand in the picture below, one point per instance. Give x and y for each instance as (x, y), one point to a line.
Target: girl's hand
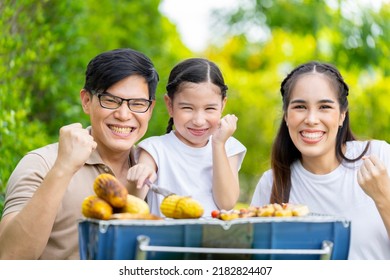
(138, 173)
(227, 126)
(373, 178)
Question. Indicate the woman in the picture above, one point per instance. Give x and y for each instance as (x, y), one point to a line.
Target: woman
(317, 161)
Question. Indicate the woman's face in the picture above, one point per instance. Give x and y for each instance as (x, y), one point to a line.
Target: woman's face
(118, 129)
(313, 117)
(196, 111)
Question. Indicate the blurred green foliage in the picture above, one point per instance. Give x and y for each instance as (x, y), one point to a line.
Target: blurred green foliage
(46, 45)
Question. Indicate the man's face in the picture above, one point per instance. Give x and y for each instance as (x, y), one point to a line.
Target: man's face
(117, 130)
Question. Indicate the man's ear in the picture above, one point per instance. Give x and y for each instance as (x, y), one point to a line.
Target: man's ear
(86, 100)
(168, 104)
(150, 110)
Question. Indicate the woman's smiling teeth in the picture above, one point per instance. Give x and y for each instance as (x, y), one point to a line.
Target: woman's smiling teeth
(121, 129)
(312, 135)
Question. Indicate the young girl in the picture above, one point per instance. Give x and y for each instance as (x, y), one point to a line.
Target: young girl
(199, 157)
(317, 161)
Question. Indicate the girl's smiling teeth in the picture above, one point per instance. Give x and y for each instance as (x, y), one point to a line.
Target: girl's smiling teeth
(198, 131)
(121, 129)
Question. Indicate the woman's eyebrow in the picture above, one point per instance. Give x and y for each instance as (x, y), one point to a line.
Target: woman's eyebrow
(320, 101)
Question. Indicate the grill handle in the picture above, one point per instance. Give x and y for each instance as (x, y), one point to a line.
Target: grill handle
(143, 247)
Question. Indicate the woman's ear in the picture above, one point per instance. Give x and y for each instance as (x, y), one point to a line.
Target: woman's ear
(86, 100)
(342, 118)
(168, 104)
(224, 100)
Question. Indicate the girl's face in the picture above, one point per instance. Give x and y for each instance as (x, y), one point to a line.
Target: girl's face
(313, 117)
(118, 129)
(196, 111)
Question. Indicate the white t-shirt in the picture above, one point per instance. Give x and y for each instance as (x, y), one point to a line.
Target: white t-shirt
(185, 170)
(338, 193)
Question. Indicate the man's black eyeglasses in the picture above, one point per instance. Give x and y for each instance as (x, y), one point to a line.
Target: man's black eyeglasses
(137, 105)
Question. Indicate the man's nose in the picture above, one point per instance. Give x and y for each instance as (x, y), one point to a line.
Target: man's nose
(123, 112)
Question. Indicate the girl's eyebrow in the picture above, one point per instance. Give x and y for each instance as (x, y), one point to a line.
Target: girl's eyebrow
(320, 101)
(190, 104)
(184, 103)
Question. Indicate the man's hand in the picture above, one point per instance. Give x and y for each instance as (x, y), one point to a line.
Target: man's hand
(75, 147)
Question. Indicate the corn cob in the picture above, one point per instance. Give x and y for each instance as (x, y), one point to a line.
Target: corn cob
(135, 205)
(96, 208)
(109, 188)
(181, 207)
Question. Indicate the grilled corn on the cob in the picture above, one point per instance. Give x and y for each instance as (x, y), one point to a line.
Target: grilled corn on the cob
(109, 188)
(96, 208)
(135, 205)
(181, 207)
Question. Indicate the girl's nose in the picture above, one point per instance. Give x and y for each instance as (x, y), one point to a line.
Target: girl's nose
(198, 119)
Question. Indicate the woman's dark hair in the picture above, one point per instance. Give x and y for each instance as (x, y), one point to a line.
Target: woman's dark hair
(193, 70)
(284, 152)
(113, 66)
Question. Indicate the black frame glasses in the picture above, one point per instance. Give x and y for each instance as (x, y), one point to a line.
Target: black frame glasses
(136, 105)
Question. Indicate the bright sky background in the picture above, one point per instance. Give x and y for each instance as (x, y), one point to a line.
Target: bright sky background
(192, 17)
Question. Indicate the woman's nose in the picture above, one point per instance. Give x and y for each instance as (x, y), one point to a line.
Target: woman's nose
(311, 117)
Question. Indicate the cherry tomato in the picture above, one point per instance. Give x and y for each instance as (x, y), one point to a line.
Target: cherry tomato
(215, 213)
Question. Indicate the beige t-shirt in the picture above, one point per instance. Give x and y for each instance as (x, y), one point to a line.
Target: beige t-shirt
(27, 177)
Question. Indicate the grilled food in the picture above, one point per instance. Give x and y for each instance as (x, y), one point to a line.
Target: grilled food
(135, 205)
(112, 197)
(268, 210)
(96, 208)
(109, 188)
(134, 216)
(181, 207)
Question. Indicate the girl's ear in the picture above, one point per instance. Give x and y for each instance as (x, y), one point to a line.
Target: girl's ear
(168, 104)
(86, 100)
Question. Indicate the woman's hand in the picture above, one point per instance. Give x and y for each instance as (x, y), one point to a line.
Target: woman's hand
(373, 178)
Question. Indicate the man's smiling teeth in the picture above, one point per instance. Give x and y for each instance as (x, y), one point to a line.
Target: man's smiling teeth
(312, 135)
(121, 130)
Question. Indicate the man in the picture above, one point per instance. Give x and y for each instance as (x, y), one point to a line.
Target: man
(45, 192)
